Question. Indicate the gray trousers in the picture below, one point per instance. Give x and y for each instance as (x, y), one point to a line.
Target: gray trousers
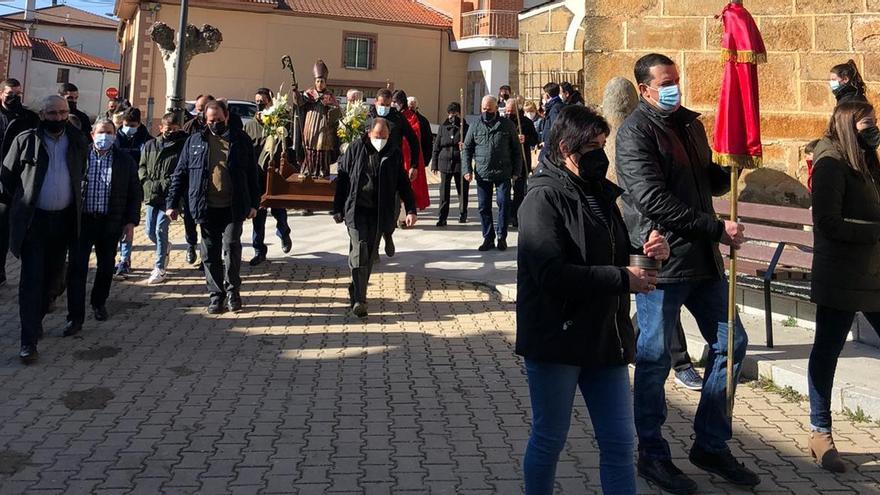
(363, 248)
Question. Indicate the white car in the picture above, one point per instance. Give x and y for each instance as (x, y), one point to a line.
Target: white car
(244, 109)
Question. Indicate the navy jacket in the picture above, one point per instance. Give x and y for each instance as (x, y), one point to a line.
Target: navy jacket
(551, 111)
(193, 173)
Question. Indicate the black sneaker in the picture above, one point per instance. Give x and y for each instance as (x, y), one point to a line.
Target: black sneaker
(689, 379)
(258, 259)
(724, 465)
(502, 245)
(663, 473)
(286, 244)
(28, 354)
(191, 255)
(359, 310)
(462, 219)
(486, 245)
(441, 223)
(233, 302)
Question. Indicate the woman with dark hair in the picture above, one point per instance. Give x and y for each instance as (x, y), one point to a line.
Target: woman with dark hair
(846, 259)
(846, 83)
(574, 285)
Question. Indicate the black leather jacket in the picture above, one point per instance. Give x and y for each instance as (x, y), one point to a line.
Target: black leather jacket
(664, 164)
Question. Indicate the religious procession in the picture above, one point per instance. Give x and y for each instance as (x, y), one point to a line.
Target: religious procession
(610, 203)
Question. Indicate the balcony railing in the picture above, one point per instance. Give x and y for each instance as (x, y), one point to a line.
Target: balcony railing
(490, 24)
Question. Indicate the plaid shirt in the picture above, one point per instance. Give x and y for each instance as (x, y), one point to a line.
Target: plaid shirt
(98, 177)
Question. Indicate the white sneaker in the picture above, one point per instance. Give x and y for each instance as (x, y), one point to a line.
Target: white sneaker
(157, 276)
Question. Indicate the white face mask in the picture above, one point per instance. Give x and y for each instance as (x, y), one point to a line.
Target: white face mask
(531, 115)
(382, 111)
(378, 143)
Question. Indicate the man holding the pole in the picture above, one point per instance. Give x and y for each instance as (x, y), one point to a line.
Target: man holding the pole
(664, 163)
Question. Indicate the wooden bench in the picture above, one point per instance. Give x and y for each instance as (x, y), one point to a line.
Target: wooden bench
(779, 248)
(296, 192)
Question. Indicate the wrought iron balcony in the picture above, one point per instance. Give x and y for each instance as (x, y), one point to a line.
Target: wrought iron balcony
(489, 24)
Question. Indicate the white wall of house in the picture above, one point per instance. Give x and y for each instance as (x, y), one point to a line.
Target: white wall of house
(495, 67)
(40, 80)
(97, 42)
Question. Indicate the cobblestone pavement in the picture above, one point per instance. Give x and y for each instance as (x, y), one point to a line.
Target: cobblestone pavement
(291, 396)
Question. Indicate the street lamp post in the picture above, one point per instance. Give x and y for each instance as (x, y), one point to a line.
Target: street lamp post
(179, 95)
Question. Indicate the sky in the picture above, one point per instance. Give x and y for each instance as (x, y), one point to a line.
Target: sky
(99, 7)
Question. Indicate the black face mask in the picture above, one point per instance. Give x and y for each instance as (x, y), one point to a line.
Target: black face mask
(174, 136)
(54, 126)
(72, 105)
(218, 128)
(13, 102)
(489, 116)
(261, 106)
(869, 138)
(593, 165)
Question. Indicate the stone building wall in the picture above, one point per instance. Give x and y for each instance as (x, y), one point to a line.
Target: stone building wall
(804, 39)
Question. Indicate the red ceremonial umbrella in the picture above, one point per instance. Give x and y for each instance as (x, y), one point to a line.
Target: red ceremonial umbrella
(738, 129)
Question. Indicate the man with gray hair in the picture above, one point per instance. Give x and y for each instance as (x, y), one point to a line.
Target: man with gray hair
(111, 208)
(371, 178)
(40, 181)
(493, 144)
(354, 96)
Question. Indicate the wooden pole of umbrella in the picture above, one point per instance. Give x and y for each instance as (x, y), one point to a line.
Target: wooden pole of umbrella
(731, 294)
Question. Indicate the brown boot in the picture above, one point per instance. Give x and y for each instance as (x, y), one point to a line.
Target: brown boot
(823, 450)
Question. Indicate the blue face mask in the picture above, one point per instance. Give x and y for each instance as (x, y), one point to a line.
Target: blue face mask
(669, 98)
(835, 84)
(104, 141)
(382, 111)
(129, 131)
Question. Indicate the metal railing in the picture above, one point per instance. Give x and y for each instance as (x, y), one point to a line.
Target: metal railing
(490, 24)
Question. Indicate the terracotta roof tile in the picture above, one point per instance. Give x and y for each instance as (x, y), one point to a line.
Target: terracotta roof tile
(390, 11)
(65, 15)
(20, 39)
(49, 51)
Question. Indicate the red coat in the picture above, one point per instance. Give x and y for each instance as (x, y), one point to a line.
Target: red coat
(420, 185)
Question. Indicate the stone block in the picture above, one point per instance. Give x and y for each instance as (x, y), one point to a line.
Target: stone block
(771, 7)
(872, 91)
(787, 34)
(601, 34)
(573, 61)
(817, 97)
(546, 42)
(831, 33)
(714, 30)
(866, 33)
(599, 68)
(871, 67)
(792, 126)
(619, 9)
(775, 82)
(817, 66)
(664, 34)
(560, 19)
(702, 79)
(535, 24)
(829, 7)
(543, 61)
(692, 8)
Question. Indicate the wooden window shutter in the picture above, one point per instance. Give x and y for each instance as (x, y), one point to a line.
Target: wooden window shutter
(372, 53)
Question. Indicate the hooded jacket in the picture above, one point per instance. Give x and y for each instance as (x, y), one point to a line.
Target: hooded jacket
(846, 232)
(664, 164)
(447, 156)
(158, 161)
(573, 296)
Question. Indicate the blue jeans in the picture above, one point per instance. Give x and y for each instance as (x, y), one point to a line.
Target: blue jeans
(282, 229)
(658, 314)
(125, 252)
(484, 204)
(157, 230)
(832, 327)
(609, 401)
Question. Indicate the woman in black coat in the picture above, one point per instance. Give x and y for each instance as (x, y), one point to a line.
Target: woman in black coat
(846, 83)
(572, 310)
(446, 159)
(846, 260)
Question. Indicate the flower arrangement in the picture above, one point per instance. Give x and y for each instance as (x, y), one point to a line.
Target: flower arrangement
(277, 118)
(353, 124)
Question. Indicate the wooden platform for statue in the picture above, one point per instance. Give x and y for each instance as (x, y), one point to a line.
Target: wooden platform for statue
(298, 193)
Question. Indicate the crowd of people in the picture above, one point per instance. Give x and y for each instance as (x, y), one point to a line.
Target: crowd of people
(69, 187)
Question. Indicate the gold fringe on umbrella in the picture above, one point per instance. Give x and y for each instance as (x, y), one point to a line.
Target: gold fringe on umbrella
(739, 161)
(743, 56)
